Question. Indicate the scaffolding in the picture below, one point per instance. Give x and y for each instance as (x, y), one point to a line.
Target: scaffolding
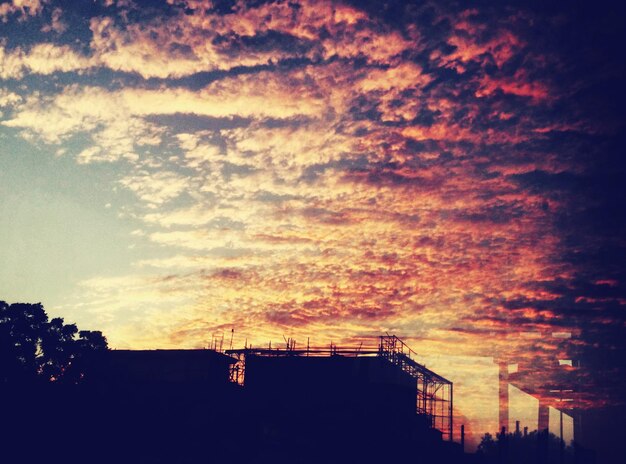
(434, 394)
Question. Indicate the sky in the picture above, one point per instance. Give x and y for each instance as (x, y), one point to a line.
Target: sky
(452, 173)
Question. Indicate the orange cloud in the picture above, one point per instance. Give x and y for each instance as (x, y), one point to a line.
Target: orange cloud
(516, 85)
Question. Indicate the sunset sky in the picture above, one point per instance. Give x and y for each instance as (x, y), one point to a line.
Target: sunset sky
(172, 170)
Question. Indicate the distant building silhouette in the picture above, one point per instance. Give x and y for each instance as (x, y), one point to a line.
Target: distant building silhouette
(558, 396)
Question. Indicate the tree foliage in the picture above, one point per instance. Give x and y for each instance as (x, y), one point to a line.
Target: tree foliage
(537, 446)
(34, 348)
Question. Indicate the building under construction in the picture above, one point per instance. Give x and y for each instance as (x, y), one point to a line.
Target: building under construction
(339, 404)
(312, 405)
(387, 379)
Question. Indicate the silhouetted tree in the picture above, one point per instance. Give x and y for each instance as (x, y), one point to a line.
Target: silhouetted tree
(536, 447)
(33, 347)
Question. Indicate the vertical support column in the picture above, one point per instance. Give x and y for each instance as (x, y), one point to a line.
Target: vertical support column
(544, 416)
(503, 394)
(578, 426)
(561, 441)
(463, 437)
(451, 403)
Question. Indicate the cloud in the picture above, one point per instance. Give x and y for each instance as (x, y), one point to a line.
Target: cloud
(156, 188)
(182, 44)
(117, 119)
(56, 24)
(254, 35)
(22, 8)
(42, 58)
(8, 98)
(517, 85)
(470, 43)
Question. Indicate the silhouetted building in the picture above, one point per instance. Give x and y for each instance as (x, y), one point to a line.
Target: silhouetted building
(192, 406)
(343, 405)
(162, 406)
(369, 385)
(357, 407)
(175, 367)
